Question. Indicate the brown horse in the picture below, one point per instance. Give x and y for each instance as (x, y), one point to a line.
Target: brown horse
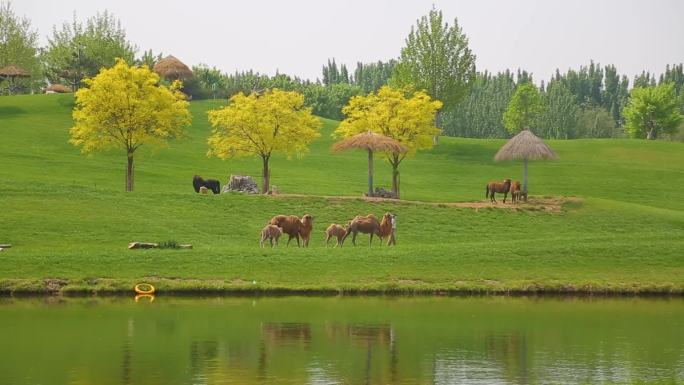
(515, 191)
(496, 187)
(365, 225)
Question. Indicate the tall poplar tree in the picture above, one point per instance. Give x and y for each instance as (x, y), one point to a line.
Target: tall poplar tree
(436, 59)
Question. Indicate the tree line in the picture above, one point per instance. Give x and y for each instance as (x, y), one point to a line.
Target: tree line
(592, 101)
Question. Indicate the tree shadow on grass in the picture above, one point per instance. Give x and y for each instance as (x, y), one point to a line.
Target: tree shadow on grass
(11, 111)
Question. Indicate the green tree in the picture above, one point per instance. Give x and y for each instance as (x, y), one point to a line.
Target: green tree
(148, 58)
(595, 122)
(652, 111)
(19, 47)
(479, 114)
(436, 59)
(125, 107)
(559, 117)
(75, 51)
(524, 108)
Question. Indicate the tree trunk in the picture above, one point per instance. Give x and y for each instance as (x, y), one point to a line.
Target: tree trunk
(651, 134)
(524, 187)
(395, 175)
(370, 172)
(129, 173)
(395, 182)
(266, 176)
(438, 123)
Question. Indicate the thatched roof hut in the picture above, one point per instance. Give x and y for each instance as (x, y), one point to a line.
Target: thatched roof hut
(10, 73)
(57, 89)
(525, 146)
(13, 71)
(370, 142)
(170, 68)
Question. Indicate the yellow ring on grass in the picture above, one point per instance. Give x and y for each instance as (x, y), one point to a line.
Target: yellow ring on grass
(139, 290)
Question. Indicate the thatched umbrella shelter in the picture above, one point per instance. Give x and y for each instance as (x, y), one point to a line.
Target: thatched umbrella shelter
(525, 146)
(371, 142)
(10, 73)
(170, 68)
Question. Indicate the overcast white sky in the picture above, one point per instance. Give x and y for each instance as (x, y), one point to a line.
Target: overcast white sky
(298, 36)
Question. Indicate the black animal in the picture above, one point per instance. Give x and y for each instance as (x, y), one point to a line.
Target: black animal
(211, 184)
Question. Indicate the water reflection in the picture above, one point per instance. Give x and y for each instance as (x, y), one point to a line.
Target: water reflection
(341, 341)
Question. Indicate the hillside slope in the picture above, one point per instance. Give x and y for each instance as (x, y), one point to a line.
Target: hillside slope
(69, 220)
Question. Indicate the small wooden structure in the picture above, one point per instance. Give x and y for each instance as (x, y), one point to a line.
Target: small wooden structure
(371, 142)
(11, 72)
(525, 146)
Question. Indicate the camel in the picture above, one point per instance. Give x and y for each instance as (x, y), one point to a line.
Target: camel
(366, 225)
(337, 231)
(272, 233)
(289, 224)
(495, 187)
(388, 225)
(305, 229)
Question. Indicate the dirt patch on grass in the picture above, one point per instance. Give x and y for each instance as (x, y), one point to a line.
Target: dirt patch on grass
(548, 204)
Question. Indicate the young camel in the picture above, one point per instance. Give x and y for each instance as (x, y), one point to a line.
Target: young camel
(305, 229)
(388, 225)
(272, 233)
(366, 225)
(337, 231)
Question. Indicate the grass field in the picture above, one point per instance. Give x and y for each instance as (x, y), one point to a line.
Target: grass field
(69, 221)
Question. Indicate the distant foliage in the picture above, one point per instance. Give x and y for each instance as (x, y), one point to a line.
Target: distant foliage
(479, 115)
(76, 51)
(653, 111)
(558, 118)
(371, 76)
(595, 122)
(524, 108)
(19, 47)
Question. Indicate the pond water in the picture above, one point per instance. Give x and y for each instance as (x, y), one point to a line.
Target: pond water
(341, 340)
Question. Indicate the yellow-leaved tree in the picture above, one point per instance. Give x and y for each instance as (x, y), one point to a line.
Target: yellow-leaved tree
(126, 107)
(273, 122)
(408, 118)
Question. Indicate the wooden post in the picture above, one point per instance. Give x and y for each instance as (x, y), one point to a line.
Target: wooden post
(370, 172)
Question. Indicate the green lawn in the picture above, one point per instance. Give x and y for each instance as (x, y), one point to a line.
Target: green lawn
(69, 220)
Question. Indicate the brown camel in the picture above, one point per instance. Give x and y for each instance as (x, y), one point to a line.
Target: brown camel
(337, 231)
(290, 225)
(272, 233)
(366, 225)
(305, 229)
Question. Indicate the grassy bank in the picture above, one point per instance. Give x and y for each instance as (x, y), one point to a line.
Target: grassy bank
(69, 220)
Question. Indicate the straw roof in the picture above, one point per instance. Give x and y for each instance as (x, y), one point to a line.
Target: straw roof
(13, 71)
(370, 141)
(525, 145)
(172, 68)
(58, 88)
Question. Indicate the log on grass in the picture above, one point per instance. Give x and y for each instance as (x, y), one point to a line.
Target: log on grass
(142, 245)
